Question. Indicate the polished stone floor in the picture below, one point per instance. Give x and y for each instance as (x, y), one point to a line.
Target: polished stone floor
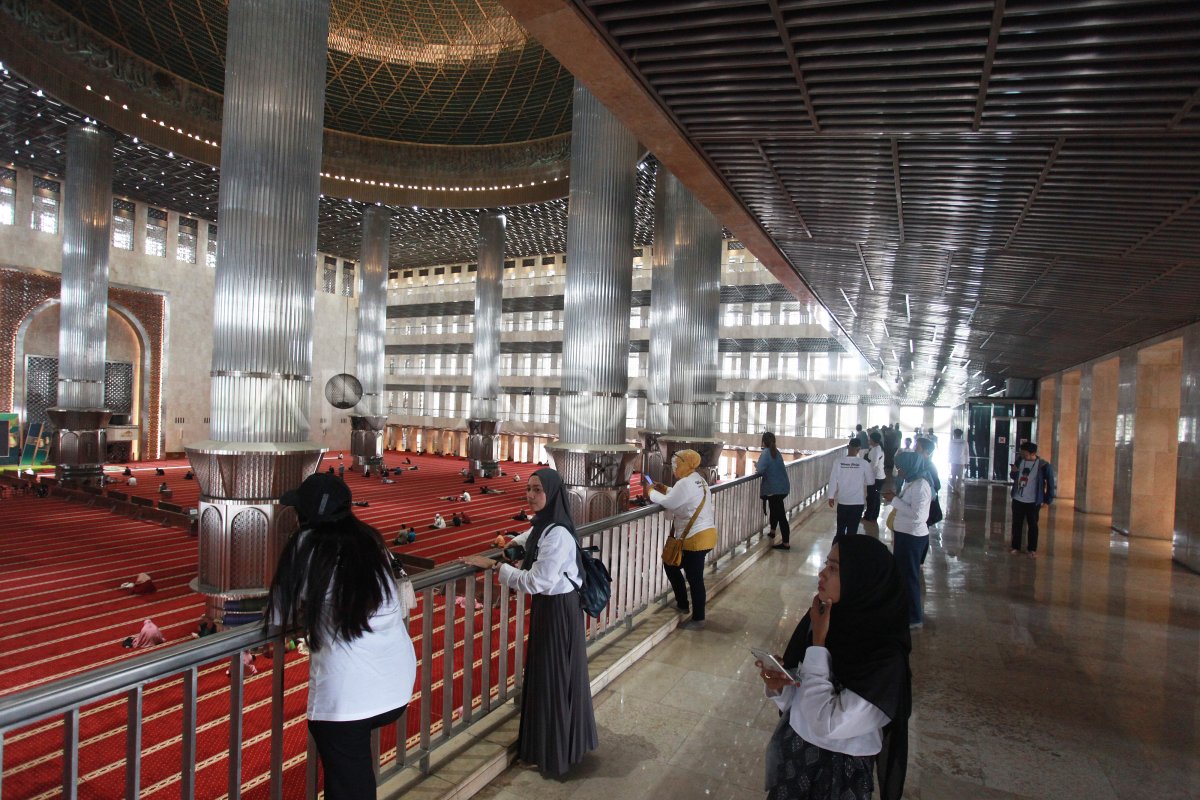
(1069, 675)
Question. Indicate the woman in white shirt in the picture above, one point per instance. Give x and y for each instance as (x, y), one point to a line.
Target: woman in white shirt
(846, 702)
(691, 509)
(334, 579)
(558, 726)
(910, 531)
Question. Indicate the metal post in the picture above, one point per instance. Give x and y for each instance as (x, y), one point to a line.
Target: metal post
(483, 425)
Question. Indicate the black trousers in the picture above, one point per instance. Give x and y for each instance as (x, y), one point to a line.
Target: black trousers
(691, 567)
(345, 750)
(779, 516)
(848, 518)
(1023, 513)
(873, 497)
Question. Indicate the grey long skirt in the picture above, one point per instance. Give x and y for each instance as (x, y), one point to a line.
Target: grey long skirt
(557, 723)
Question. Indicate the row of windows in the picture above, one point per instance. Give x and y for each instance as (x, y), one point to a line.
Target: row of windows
(44, 217)
(733, 416)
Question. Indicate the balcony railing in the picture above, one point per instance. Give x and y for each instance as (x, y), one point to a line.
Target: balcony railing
(629, 544)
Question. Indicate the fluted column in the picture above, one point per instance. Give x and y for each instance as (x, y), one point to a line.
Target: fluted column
(80, 416)
(263, 299)
(691, 237)
(369, 418)
(482, 424)
(591, 453)
(658, 372)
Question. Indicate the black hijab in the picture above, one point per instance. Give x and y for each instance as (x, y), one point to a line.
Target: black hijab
(555, 512)
(869, 643)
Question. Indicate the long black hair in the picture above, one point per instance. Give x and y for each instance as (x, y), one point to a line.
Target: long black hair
(768, 441)
(332, 576)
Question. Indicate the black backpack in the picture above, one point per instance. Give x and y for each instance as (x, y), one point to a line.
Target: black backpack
(596, 586)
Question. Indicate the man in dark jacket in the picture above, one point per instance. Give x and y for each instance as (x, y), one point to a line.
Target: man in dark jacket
(1033, 487)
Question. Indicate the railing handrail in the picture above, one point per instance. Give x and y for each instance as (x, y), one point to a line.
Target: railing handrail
(57, 696)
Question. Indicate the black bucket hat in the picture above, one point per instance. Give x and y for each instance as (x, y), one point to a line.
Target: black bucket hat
(321, 498)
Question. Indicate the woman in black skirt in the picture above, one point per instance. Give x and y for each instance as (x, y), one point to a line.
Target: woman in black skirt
(557, 723)
(848, 693)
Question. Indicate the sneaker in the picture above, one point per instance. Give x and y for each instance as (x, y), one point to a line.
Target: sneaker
(693, 625)
(1014, 552)
(781, 547)
(912, 626)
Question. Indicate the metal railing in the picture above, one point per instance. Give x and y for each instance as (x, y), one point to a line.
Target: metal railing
(487, 629)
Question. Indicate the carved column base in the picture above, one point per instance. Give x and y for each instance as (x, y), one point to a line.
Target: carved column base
(366, 440)
(482, 447)
(242, 527)
(596, 478)
(652, 463)
(80, 443)
(710, 455)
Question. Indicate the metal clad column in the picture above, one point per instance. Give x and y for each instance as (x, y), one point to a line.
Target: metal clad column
(591, 453)
(662, 308)
(263, 300)
(80, 416)
(369, 418)
(483, 425)
(694, 237)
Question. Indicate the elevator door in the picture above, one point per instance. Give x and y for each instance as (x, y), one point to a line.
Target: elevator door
(1008, 433)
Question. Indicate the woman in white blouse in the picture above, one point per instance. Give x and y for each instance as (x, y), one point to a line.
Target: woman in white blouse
(558, 726)
(910, 529)
(846, 699)
(691, 509)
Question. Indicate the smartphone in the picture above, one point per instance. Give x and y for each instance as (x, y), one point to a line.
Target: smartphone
(770, 661)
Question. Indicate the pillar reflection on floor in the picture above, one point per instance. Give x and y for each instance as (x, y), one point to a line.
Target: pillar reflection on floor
(1069, 675)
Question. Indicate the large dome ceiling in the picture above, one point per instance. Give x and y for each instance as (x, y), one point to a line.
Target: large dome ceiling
(444, 72)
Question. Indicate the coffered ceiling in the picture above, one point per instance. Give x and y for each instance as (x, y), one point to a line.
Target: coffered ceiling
(977, 190)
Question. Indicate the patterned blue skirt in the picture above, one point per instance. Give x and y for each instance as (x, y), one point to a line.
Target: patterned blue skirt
(798, 770)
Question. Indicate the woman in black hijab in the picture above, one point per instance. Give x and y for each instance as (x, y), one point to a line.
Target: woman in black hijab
(557, 723)
(847, 701)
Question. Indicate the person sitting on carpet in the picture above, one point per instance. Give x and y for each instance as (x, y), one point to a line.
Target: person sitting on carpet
(132, 480)
(438, 522)
(465, 519)
(207, 627)
(521, 516)
(148, 636)
(456, 520)
(127, 472)
(142, 584)
(163, 488)
(187, 476)
(470, 479)
(465, 497)
(407, 460)
(412, 534)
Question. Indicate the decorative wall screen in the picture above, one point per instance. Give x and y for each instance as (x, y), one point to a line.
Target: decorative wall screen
(41, 387)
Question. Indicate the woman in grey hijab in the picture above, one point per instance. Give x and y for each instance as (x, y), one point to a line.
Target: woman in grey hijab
(558, 726)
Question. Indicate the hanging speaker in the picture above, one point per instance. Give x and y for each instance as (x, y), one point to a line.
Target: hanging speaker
(343, 391)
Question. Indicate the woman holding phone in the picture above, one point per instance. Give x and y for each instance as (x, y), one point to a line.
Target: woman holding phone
(691, 511)
(846, 699)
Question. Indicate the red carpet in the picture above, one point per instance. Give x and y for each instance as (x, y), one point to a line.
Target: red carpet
(61, 613)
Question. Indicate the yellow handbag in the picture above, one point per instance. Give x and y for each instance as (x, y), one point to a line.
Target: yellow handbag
(672, 553)
(891, 520)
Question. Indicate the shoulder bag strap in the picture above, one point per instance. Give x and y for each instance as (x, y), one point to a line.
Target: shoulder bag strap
(695, 513)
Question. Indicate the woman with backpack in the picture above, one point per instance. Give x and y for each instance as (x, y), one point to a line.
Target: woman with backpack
(558, 726)
(774, 489)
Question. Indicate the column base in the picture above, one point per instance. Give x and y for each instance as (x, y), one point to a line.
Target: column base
(482, 447)
(366, 440)
(242, 528)
(596, 478)
(80, 443)
(710, 455)
(653, 463)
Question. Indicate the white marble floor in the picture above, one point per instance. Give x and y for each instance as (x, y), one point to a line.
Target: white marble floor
(1072, 675)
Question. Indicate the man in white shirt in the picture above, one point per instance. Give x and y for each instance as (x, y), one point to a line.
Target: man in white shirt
(875, 464)
(848, 482)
